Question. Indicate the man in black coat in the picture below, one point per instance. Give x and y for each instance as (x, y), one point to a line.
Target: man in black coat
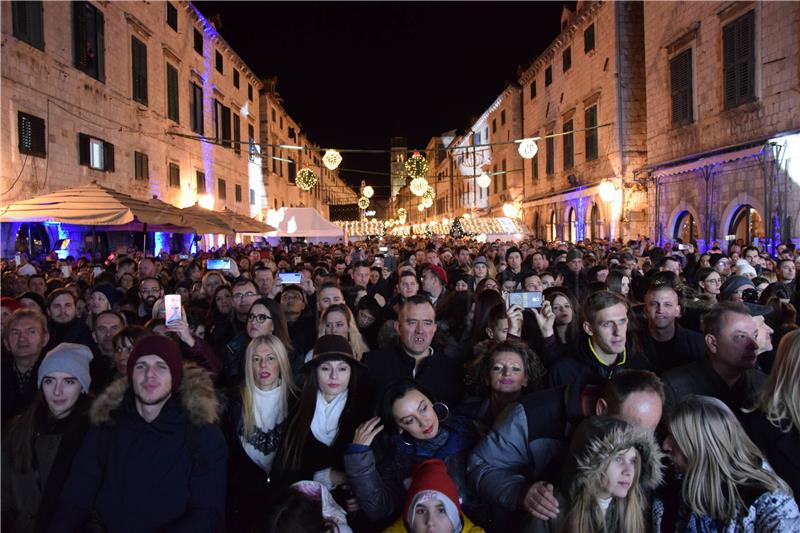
(64, 324)
(414, 357)
(25, 339)
(667, 344)
(728, 370)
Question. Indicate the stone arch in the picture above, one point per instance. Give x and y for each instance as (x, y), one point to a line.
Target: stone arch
(739, 200)
(675, 215)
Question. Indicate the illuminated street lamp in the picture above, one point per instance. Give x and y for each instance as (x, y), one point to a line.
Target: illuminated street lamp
(206, 201)
(607, 191)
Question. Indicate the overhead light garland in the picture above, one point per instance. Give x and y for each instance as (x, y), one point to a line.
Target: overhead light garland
(484, 180)
(420, 208)
(417, 166)
(429, 194)
(331, 159)
(418, 186)
(368, 192)
(527, 148)
(305, 179)
(363, 203)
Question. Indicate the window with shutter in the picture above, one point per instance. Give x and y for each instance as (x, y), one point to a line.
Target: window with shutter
(31, 132)
(590, 134)
(27, 23)
(200, 180)
(139, 70)
(174, 175)
(249, 92)
(172, 16)
(505, 175)
(566, 59)
(198, 41)
(738, 48)
(95, 153)
(548, 76)
(238, 193)
(237, 136)
(533, 89)
(196, 109)
(218, 61)
(141, 171)
(252, 197)
(88, 51)
(291, 169)
(588, 39)
(681, 88)
(172, 94)
(535, 166)
(222, 124)
(550, 154)
(236, 78)
(569, 147)
(222, 189)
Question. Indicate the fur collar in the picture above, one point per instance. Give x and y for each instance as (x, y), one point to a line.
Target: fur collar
(602, 438)
(197, 394)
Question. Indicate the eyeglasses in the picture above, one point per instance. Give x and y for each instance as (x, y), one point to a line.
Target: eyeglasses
(258, 318)
(123, 349)
(239, 296)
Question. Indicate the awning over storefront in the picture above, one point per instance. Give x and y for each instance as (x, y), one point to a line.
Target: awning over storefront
(716, 159)
(303, 222)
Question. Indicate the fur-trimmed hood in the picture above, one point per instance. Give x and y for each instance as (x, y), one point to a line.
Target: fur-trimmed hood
(598, 439)
(197, 395)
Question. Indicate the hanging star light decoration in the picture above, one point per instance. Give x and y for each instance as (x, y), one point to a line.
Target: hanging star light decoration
(331, 159)
(484, 180)
(417, 166)
(363, 203)
(305, 179)
(527, 148)
(368, 192)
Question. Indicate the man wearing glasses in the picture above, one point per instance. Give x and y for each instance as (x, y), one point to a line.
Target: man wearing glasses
(244, 293)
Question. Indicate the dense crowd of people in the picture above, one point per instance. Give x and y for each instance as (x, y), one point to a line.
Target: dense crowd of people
(403, 385)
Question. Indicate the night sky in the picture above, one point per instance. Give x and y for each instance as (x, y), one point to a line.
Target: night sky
(354, 74)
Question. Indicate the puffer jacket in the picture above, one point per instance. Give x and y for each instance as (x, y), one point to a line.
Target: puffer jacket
(379, 485)
(165, 475)
(595, 443)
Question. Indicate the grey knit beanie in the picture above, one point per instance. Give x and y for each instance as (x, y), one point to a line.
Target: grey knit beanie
(70, 358)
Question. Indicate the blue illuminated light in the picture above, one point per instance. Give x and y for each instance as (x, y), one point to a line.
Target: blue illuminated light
(161, 241)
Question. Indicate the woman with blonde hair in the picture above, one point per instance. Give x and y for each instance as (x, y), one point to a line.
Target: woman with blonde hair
(727, 484)
(774, 422)
(612, 467)
(255, 425)
(337, 319)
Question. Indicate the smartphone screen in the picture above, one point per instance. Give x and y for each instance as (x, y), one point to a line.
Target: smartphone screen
(218, 264)
(66, 271)
(526, 300)
(290, 278)
(172, 303)
(383, 248)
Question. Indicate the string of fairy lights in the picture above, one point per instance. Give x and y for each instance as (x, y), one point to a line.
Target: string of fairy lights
(416, 166)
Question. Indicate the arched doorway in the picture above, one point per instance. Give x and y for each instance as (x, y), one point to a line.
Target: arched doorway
(572, 222)
(592, 223)
(746, 224)
(686, 228)
(553, 233)
(33, 238)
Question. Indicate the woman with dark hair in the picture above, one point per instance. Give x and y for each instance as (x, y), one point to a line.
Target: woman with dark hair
(41, 443)
(619, 282)
(367, 316)
(502, 372)
(327, 414)
(220, 313)
(414, 428)
(485, 302)
(708, 282)
(774, 290)
(265, 318)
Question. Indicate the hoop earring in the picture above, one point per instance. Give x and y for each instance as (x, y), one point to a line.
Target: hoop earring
(441, 405)
(404, 441)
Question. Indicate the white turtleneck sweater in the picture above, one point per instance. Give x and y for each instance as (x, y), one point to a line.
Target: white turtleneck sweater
(268, 411)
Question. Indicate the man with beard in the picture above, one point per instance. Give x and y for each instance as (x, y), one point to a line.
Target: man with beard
(154, 445)
(106, 325)
(64, 324)
(150, 291)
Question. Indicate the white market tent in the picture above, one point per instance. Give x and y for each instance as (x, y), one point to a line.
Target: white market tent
(303, 222)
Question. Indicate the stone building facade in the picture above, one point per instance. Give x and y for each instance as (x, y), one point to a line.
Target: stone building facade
(584, 98)
(723, 116)
(142, 98)
(279, 131)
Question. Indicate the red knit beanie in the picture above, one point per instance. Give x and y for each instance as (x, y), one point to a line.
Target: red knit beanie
(163, 347)
(430, 478)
